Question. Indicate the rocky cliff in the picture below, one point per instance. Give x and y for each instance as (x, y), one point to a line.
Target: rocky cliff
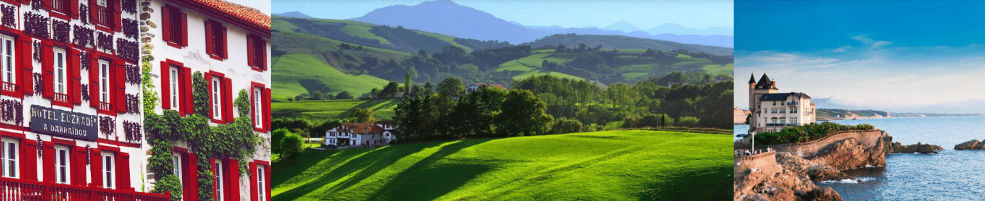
(915, 148)
(765, 179)
(970, 145)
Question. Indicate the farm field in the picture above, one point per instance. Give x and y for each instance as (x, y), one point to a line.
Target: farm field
(608, 165)
(331, 109)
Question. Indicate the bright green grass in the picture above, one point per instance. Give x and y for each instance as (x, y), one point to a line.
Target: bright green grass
(363, 32)
(719, 69)
(332, 109)
(291, 68)
(611, 165)
(531, 62)
(553, 74)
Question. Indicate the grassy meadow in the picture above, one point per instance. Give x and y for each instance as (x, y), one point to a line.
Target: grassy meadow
(608, 165)
(331, 109)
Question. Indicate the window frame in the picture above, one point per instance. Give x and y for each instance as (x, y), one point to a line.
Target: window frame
(257, 107)
(108, 173)
(176, 161)
(60, 75)
(176, 29)
(8, 62)
(62, 166)
(12, 171)
(261, 182)
(219, 181)
(104, 70)
(175, 83)
(216, 96)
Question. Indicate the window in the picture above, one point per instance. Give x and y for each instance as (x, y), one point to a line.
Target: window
(61, 165)
(176, 160)
(256, 51)
(108, 170)
(218, 181)
(104, 80)
(257, 105)
(61, 75)
(7, 65)
(61, 6)
(215, 37)
(104, 13)
(260, 183)
(9, 158)
(174, 87)
(216, 88)
(176, 25)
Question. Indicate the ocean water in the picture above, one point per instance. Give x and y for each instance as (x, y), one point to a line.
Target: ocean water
(949, 175)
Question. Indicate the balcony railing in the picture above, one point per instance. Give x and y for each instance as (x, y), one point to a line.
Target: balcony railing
(105, 106)
(13, 189)
(61, 97)
(790, 124)
(9, 87)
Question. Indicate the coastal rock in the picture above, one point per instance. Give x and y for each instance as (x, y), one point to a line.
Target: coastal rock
(972, 144)
(850, 154)
(915, 148)
(765, 179)
(815, 171)
(825, 194)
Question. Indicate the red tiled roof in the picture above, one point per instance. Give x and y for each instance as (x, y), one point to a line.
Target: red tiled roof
(363, 128)
(251, 15)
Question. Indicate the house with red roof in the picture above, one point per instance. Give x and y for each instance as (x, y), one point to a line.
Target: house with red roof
(350, 135)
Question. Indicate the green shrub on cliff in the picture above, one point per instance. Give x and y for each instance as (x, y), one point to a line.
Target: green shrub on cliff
(806, 133)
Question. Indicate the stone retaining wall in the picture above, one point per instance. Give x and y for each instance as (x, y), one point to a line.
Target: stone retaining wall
(867, 138)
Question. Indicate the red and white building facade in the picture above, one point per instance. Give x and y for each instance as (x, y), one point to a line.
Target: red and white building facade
(70, 121)
(229, 45)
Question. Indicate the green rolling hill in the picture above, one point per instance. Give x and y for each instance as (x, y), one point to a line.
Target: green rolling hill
(292, 70)
(611, 165)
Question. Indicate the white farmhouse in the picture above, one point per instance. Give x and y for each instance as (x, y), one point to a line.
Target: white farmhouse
(359, 135)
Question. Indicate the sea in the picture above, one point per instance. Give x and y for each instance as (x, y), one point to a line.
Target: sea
(948, 175)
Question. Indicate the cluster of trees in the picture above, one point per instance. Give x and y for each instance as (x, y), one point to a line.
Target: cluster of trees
(812, 131)
(644, 104)
(450, 113)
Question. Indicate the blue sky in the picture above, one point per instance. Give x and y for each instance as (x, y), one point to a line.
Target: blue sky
(902, 56)
(566, 13)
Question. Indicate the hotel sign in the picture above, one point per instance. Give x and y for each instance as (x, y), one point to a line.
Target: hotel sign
(63, 123)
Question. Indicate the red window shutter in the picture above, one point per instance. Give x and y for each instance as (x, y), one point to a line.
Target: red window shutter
(29, 157)
(79, 165)
(123, 171)
(263, 53)
(233, 175)
(227, 100)
(117, 10)
(94, 81)
(186, 97)
(208, 38)
(27, 70)
(75, 81)
(184, 30)
(47, 69)
(166, 85)
(25, 2)
(208, 82)
(266, 109)
(165, 22)
(191, 177)
(120, 84)
(49, 162)
(225, 46)
(96, 167)
(249, 51)
(75, 9)
(92, 12)
(253, 181)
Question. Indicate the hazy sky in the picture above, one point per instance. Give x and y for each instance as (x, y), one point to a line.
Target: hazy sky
(566, 13)
(903, 56)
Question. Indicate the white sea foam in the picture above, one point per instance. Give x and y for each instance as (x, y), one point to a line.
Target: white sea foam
(850, 181)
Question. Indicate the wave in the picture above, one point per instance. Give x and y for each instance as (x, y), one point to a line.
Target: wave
(850, 181)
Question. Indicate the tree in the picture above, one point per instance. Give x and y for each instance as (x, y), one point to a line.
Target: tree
(451, 87)
(291, 145)
(390, 90)
(566, 125)
(276, 137)
(407, 83)
(523, 114)
(361, 115)
(343, 95)
(317, 96)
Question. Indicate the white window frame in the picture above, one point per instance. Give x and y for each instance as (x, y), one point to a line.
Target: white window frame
(8, 59)
(10, 158)
(218, 181)
(257, 107)
(62, 159)
(108, 172)
(216, 102)
(61, 71)
(103, 80)
(176, 161)
(174, 82)
(261, 182)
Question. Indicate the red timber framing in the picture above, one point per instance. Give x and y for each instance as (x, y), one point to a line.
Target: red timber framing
(184, 77)
(255, 178)
(225, 95)
(264, 102)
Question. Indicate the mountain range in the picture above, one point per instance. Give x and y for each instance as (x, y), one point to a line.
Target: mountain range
(449, 18)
